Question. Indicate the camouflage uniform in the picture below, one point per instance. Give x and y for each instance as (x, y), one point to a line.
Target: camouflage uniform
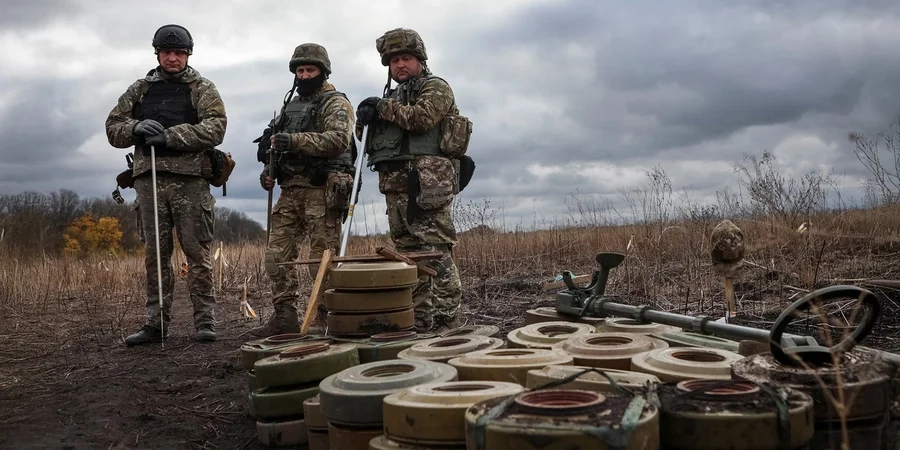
(315, 175)
(184, 200)
(407, 142)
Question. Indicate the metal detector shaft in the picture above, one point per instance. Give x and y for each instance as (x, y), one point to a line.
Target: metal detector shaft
(162, 325)
(697, 324)
(354, 193)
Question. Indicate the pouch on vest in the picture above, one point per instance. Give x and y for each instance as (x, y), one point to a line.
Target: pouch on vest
(466, 170)
(436, 182)
(455, 133)
(337, 191)
(125, 179)
(216, 167)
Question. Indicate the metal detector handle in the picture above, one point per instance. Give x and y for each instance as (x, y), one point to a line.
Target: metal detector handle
(607, 261)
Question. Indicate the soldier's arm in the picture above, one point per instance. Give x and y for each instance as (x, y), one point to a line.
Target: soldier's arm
(337, 135)
(432, 104)
(119, 124)
(210, 132)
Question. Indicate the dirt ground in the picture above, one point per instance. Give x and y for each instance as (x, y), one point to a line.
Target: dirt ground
(67, 380)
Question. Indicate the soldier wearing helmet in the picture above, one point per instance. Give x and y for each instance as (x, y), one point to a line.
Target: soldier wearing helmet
(181, 114)
(416, 137)
(314, 150)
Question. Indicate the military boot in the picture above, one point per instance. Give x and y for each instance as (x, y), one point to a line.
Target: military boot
(443, 324)
(284, 321)
(145, 335)
(206, 333)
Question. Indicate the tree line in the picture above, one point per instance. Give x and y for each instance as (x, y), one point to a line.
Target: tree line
(35, 223)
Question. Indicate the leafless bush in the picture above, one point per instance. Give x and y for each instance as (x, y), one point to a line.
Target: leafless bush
(789, 201)
(882, 161)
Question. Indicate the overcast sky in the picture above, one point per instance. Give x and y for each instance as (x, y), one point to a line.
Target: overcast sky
(572, 95)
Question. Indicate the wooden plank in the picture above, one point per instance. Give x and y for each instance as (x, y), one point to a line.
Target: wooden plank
(415, 256)
(318, 289)
(392, 255)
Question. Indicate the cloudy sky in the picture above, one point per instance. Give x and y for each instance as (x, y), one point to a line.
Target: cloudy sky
(565, 95)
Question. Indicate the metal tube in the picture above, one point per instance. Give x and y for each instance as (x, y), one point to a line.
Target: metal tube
(727, 331)
(345, 232)
(722, 330)
(159, 286)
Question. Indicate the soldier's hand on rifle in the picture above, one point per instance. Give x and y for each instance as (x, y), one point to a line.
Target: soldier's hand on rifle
(156, 139)
(147, 127)
(281, 142)
(367, 111)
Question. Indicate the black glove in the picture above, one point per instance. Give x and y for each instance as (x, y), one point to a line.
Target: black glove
(264, 144)
(282, 142)
(147, 127)
(156, 139)
(367, 111)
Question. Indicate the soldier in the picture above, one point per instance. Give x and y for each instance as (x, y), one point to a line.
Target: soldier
(313, 142)
(181, 114)
(416, 139)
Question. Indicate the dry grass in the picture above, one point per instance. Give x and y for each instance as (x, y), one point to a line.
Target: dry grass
(667, 263)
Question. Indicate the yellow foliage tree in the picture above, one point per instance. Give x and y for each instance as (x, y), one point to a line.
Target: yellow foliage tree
(86, 236)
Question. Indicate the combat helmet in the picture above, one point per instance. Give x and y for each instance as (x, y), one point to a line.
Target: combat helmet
(400, 40)
(173, 36)
(310, 53)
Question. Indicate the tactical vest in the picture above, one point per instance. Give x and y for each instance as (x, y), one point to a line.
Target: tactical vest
(390, 143)
(169, 104)
(302, 117)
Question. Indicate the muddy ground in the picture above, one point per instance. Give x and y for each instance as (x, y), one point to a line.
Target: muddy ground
(67, 381)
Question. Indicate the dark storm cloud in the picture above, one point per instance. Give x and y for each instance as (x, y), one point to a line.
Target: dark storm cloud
(659, 81)
(62, 125)
(565, 96)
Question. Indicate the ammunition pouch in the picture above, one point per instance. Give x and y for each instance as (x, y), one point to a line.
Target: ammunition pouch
(436, 180)
(216, 167)
(455, 131)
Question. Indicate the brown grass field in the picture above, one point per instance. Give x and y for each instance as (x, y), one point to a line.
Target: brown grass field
(68, 381)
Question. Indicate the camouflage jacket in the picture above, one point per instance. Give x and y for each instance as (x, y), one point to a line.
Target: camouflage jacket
(191, 139)
(434, 101)
(334, 135)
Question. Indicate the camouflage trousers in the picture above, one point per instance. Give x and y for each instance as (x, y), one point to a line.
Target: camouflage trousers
(436, 299)
(185, 206)
(300, 212)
